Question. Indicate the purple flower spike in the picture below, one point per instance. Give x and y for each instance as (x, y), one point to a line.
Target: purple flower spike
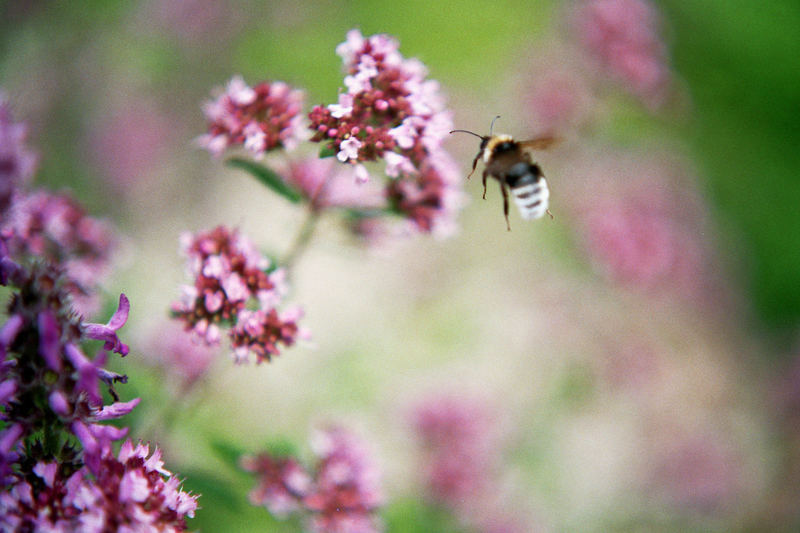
(49, 341)
(108, 332)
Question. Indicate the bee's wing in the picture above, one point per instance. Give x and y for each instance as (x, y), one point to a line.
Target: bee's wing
(539, 143)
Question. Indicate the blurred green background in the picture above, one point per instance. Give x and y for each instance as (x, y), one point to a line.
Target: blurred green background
(112, 93)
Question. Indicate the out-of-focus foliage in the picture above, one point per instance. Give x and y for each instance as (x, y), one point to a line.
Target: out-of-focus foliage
(738, 62)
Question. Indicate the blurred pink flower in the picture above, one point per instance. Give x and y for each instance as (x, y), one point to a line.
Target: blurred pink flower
(326, 184)
(129, 142)
(340, 494)
(183, 358)
(623, 37)
(459, 448)
(261, 118)
(698, 473)
(282, 483)
(643, 224)
(17, 162)
(558, 95)
(461, 460)
(346, 491)
(192, 21)
(56, 228)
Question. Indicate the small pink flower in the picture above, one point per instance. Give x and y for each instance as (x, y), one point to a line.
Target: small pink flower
(349, 149)
(225, 268)
(361, 174)
(405, 134)
(239, 92)
(348, 49)
(344, 107)
(255, 140)
(397, 164)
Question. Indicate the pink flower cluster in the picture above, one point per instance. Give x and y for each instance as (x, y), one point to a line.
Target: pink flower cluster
(460, 442)
(340, 495)
(261, 118)
(230, 278)
(56, 228)
(17, 163)
(458, 448)
(128, 493)
(623, 36)
(391, 112)
(641, 228)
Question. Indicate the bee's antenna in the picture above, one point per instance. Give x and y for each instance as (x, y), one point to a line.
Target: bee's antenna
(471, 133)
(491, 127)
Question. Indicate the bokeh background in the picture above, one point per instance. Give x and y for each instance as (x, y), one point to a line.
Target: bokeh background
(635, 358)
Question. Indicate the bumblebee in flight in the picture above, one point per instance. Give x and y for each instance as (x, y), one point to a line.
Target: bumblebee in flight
(509, 162)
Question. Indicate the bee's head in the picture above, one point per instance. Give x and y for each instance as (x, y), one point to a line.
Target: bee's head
(484, 138)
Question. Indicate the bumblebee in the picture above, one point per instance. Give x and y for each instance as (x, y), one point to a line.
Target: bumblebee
(509, 162)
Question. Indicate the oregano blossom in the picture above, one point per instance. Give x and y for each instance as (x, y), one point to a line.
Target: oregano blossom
(235, 288)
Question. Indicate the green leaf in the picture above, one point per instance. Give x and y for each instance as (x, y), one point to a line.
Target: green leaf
(229, 453)
(327, 151)
(414, 516)
(281, 448)
(268, 177)
(211, 487)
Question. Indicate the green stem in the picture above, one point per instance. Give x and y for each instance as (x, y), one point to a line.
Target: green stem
(302, 239)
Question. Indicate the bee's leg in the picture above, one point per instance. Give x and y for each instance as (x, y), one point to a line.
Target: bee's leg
(485, 175)
(549, 214)
(474, 164)
(505, 203)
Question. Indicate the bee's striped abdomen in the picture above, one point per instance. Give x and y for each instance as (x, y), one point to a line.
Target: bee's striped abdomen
(529, 188)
